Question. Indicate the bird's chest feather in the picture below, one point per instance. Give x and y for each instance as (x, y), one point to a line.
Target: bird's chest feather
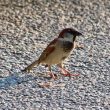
(61, 52)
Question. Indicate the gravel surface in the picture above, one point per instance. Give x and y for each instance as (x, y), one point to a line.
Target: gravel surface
(26, 27)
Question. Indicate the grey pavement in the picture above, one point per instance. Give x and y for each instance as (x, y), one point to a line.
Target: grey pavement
(26, 27)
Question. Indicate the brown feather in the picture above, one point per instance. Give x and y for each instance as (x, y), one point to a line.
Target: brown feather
(49, 49)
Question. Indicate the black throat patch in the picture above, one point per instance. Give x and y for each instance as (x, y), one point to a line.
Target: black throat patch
(67, 46)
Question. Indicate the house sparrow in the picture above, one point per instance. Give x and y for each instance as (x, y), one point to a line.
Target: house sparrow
(57, 51)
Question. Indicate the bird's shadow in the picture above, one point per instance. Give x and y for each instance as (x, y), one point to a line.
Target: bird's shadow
(15, 79)
(18, 78)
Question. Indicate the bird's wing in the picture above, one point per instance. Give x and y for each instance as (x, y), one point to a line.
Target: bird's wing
(49, 49)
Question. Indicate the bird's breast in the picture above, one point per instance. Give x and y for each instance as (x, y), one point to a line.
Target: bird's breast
(61, 52)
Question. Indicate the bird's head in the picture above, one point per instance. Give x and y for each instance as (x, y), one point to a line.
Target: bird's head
(69, 34)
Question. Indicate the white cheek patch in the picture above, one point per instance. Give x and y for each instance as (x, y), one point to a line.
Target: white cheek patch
(68, 37)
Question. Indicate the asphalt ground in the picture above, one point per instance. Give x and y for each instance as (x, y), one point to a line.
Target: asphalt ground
(26, 27)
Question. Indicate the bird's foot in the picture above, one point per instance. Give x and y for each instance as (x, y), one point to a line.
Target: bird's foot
(66, 73)
(53, 76)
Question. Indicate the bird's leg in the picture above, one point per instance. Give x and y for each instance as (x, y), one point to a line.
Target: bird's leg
(66, 72)
(52, 75)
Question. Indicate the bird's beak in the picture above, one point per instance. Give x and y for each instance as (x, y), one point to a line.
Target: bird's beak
(79, 34)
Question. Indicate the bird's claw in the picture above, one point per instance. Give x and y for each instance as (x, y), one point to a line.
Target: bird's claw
(69, 75)
(53, 76)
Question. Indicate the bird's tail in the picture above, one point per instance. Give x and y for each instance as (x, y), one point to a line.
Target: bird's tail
(28, 68)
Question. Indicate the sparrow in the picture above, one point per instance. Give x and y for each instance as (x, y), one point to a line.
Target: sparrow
(57, 51)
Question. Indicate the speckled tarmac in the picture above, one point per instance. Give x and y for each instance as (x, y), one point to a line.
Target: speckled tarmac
(25, 30)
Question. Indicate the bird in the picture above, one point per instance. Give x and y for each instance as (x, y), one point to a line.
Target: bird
(57, 51)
